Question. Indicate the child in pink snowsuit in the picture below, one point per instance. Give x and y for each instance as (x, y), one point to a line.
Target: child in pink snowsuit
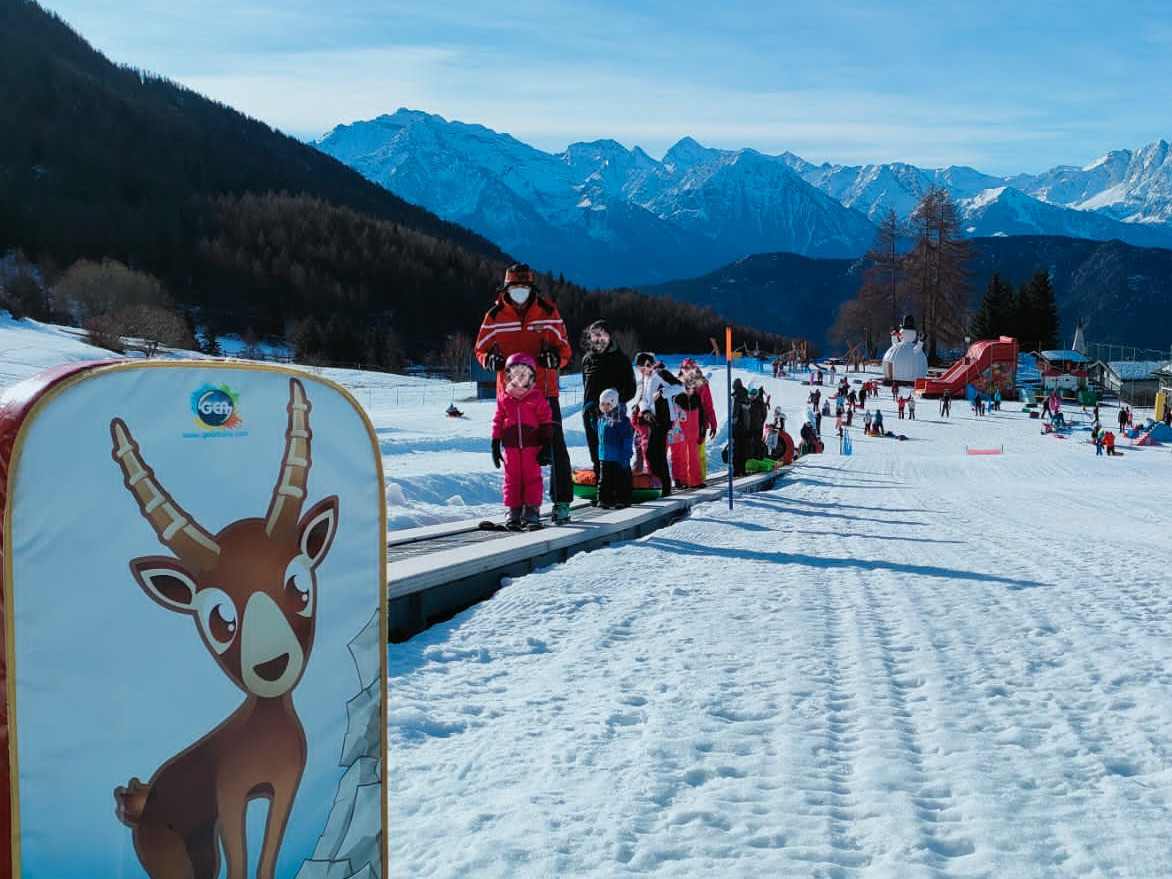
(684, 437)
(689, 368)
(522, 428)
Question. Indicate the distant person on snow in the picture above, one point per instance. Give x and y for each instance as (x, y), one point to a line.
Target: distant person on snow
(740, 432)
(522, 322)
(522, 429)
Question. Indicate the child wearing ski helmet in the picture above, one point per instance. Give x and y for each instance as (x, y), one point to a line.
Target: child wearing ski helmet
(522, 428)
(615, 446)
(688, 427)
(523, 322)
(689, 368)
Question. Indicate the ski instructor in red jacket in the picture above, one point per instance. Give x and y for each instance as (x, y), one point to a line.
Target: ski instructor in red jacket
(522, 322)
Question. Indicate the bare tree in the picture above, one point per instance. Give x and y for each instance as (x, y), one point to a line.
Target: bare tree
(252, 349)
(858, 325)
(456, 356)
(936, 270)
(88, 289)
(882, 289)
(151, 326)
(882, 296)
(627, 340)
(102, 333)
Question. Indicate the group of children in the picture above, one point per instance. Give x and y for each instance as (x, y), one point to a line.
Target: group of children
(673, 417)
(668, 413)
(1103, 439)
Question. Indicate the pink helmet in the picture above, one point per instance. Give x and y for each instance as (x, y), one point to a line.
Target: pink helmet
(521, 359)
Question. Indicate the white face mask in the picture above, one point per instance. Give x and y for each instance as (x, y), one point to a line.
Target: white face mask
(519, 295)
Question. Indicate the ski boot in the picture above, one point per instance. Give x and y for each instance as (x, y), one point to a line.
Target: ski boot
(515, 522)
(561, 513)
(532, 519)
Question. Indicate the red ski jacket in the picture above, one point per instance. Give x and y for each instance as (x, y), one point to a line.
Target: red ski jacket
(539, 327)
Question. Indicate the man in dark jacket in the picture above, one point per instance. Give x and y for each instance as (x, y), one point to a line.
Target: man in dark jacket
(604, 365)
(739, 426)
(758, 412)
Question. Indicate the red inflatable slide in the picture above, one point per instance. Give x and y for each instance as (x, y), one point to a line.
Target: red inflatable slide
(982, 361)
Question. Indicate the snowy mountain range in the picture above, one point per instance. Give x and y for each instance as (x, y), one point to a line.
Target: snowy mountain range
(604, 215)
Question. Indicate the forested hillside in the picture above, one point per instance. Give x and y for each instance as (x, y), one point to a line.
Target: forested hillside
(1122, 294)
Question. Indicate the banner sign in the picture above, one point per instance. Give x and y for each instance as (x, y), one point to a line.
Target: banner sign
(194, 566)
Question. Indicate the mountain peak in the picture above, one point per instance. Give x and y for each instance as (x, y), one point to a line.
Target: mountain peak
(686, 153)
(584, 209)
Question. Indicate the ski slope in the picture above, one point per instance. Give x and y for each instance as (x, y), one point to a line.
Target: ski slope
(909, 662)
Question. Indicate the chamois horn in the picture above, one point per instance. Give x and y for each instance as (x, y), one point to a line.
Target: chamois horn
(176, 528)
(289, 492)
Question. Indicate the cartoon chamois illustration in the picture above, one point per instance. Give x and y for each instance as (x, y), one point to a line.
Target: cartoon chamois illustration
(251, 591)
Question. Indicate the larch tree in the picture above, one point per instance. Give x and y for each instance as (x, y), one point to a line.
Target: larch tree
(936, 271)
(881, 288)
(866, 320)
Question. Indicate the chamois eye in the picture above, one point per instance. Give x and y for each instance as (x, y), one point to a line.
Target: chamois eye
(217, 618)
(299, 587)
(222, 623)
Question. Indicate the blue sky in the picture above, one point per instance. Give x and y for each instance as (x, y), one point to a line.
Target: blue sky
(1005, 87)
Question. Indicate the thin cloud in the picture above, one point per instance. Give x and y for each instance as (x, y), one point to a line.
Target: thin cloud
(1002, 86)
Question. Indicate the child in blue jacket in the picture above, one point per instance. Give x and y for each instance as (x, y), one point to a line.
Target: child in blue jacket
(615, 447)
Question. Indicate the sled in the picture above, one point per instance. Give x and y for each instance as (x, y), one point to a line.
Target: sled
(644, 486)
(761, 465)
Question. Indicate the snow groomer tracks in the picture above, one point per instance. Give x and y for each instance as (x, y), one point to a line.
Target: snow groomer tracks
(436, 571)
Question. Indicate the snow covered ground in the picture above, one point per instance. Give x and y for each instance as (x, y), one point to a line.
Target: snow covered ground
(907, 662)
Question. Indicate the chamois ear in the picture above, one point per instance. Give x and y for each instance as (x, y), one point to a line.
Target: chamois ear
(317, 529)
(167, 581)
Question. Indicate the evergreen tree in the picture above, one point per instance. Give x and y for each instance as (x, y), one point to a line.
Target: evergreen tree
(1037, 313)
(211, 343)
(997, 313)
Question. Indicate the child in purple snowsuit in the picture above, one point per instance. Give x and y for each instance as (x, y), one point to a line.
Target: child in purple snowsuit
(522, 428)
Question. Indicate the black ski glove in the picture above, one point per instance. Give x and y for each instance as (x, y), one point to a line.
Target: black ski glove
(549, 358)
(496, 453)
(495, 360)
(545, 456)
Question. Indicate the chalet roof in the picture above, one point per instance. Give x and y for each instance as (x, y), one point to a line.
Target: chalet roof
(1135, 370)
(1068, 356)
